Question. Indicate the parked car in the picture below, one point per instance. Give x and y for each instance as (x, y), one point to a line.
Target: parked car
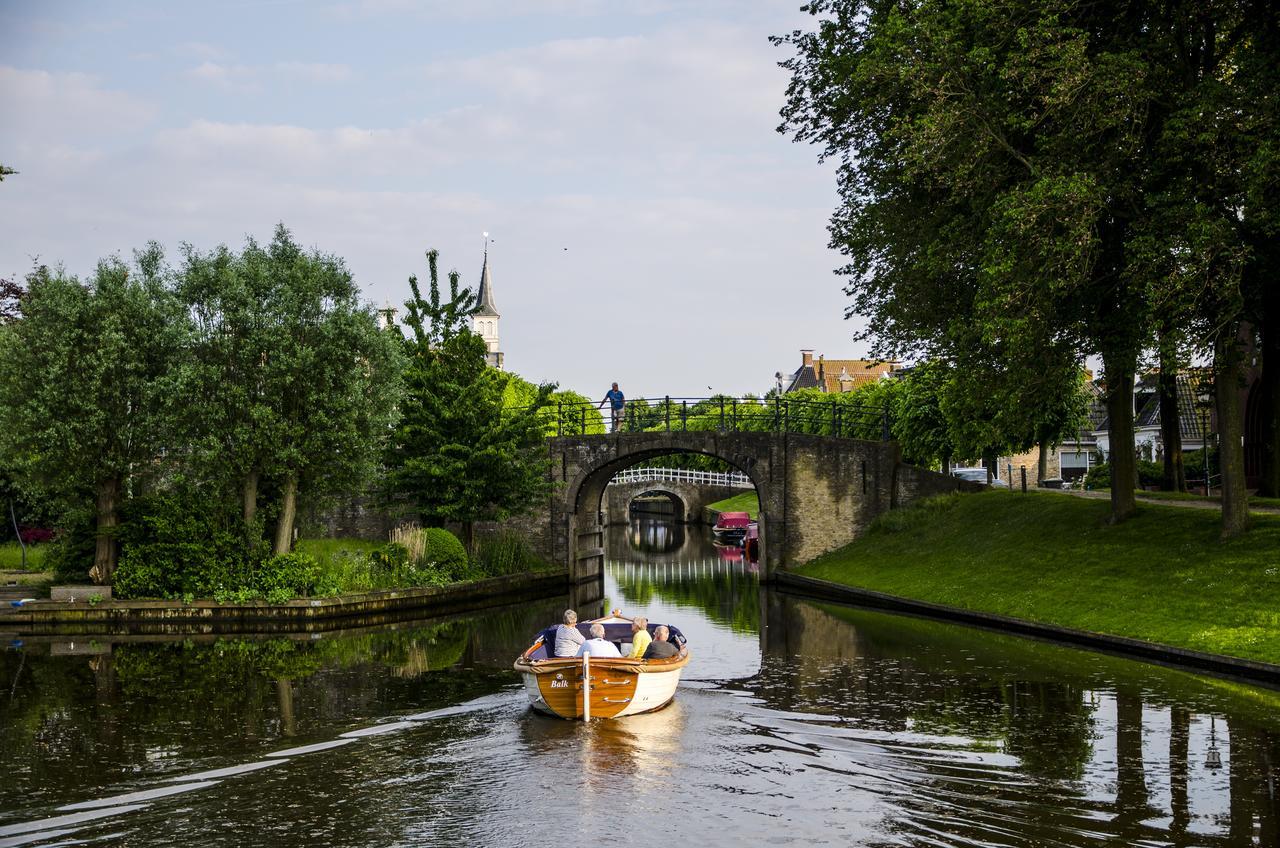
(978, 475)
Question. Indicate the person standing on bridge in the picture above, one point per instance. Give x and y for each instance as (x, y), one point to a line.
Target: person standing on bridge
(617, 402)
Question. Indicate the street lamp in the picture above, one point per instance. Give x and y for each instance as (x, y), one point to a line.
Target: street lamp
(1204, 400)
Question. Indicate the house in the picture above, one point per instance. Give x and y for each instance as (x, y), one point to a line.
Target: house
(1075, 456)
(834, 375)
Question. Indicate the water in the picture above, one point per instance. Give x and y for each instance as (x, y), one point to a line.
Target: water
(797, 724)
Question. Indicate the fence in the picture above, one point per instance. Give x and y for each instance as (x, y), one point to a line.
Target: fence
(840, 416)
(683, 475)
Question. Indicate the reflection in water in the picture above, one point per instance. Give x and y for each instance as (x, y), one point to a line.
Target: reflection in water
(798, 721)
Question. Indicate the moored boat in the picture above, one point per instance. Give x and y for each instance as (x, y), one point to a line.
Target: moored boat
(732, 527)
(600, 687)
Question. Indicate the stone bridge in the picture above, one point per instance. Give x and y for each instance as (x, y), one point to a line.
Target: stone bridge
(816, 492)
(691, 499)
(690, 492)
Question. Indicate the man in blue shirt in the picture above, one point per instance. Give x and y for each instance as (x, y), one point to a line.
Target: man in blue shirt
(616, 400)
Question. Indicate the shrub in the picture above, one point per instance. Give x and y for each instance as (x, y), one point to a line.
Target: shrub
(70, 554)
(1149, 474)
(445, 553)
(293, 575)
(181, 543)
(434, 551)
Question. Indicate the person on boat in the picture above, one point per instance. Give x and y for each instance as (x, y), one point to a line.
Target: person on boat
(660, 648)
(640, 638)
(568, 637)
(597, 645)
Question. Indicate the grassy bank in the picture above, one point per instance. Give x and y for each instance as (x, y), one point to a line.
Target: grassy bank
(746, 502)
(11, 556)
(1162, 576)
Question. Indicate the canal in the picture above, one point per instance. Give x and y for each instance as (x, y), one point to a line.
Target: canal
(797, 723)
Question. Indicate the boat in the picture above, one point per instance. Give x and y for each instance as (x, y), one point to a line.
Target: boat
(600, 687)
(732, 527)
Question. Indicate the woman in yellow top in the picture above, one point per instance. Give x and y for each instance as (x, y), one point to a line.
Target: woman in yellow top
(640, 637)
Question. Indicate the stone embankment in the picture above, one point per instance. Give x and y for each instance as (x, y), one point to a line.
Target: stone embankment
(108, 617)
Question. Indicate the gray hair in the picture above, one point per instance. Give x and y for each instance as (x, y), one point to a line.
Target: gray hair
(597, 631)
(639, 623)
(570, 617)
(661, 632)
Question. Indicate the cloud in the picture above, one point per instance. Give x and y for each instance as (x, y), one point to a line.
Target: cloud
(316, 71)
(254, 78)
(651, 156)
(41, 108)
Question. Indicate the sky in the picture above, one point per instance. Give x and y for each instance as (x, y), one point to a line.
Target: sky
(649, 224)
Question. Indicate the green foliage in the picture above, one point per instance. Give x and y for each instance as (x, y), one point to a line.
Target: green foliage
(89, 395)
(457, 454)
(443, 552)
(70, 554)
(507, 553)
(1025, 184)
(1149, 474)
(291, 377)
(182, 542)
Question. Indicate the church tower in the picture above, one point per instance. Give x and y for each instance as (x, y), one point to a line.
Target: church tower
(484, 323)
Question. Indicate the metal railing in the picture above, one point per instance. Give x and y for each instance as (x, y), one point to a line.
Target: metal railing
(840, 416)
(734, 479)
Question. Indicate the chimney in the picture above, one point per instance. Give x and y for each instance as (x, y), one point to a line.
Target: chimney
(806, 358)
(822, 371)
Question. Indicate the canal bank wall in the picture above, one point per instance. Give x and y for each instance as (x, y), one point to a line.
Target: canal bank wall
(1220, 664)
(307, 614)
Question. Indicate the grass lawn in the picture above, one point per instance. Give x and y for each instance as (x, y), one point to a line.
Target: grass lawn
(746, 502)
(1163, 576)
(11, 556)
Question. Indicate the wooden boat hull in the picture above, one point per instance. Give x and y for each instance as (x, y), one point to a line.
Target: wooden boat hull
(618, 687)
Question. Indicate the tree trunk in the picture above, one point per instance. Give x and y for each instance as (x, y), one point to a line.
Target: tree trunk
(104, 555)
(469, 537)
(1131, 783)
(250, 496)
(1269, 389)
(1175, 477)
(1227, 362)
(1042, 464)
(288, 510)
(1124, 465)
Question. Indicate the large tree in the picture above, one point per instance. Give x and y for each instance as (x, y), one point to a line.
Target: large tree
(458, 454)
(89, 391)
(996, 167)
(322, 377)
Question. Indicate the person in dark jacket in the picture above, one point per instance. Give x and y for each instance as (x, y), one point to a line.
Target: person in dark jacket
(660, 648)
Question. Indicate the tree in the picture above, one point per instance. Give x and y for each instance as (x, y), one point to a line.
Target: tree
(88, 396)
(11, 294)
(457, 454)
(6, 172)
(328, 377)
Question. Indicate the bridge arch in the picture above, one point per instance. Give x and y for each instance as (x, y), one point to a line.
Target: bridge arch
(681, 506)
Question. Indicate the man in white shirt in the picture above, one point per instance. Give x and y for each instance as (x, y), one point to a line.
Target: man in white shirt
(596, 646)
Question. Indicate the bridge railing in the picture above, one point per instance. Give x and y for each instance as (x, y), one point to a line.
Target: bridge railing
(841, 416)
(735, 479)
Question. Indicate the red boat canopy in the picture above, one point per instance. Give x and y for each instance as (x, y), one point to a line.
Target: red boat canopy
(733, 519)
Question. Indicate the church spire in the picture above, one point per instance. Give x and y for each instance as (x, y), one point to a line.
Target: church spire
(485, 297)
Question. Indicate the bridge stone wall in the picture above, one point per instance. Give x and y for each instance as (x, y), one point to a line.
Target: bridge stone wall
(817, 493)
(693, 498)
